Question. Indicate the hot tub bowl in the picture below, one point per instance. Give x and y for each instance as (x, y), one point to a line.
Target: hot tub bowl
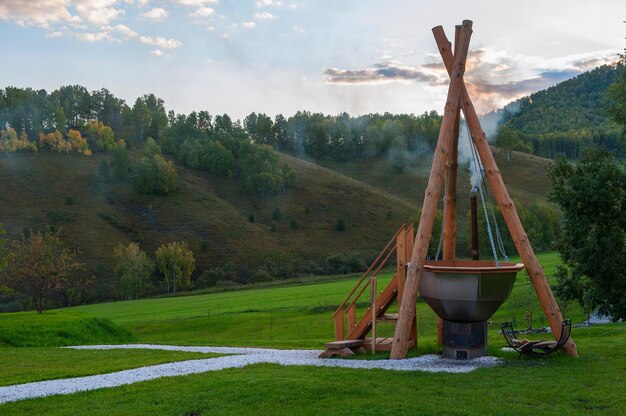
(467, 290)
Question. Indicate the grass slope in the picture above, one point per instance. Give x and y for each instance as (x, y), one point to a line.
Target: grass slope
(44, 188)
(524, 175)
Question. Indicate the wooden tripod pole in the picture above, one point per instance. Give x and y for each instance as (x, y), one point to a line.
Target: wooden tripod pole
(407, 308)
(507, 207)
(449, 229)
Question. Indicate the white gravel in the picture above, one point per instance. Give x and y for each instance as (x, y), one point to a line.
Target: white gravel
(242, 358)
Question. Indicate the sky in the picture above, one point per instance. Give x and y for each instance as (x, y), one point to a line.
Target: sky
(282, 56)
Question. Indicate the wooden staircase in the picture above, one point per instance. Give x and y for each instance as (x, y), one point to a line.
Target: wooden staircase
(350, 332)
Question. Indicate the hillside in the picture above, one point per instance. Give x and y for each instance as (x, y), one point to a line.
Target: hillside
(566, 117)
(524, 175)
(210, 213)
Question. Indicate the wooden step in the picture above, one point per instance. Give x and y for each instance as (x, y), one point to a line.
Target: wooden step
(344, 348)
(387, 317)
(346, 343)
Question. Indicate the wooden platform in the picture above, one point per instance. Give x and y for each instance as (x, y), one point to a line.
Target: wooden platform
(344, 348)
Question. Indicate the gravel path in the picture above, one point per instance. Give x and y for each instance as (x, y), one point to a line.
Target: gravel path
(242, 358)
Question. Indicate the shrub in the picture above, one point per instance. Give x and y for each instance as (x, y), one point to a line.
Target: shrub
(293, 225)
(341, 225)
(277, 215)
(156, 176)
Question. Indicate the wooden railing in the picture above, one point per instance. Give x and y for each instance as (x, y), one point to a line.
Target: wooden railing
(361, 285)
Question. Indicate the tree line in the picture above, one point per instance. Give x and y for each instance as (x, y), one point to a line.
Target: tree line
(567, 118)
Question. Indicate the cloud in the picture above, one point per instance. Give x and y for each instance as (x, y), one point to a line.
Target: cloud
(269, 3)
(93, 37)
(382, 72)
(43, 14)
(265, 16)
(493, 78)
(299, 30)
(203, 12)
(158, 14)
(160, 42)
(156, 52)
(248, 25)
(196, 3)
(98, 12)
(126, 31)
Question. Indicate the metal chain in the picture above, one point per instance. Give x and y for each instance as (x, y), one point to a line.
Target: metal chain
(478, 166)
(443, 221)
(489, 233)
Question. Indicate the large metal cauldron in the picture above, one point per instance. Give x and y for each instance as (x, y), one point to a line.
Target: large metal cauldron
(467, 290)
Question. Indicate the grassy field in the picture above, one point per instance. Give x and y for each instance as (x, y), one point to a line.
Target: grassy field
(586, 386)
(300, 316)
(25, 365)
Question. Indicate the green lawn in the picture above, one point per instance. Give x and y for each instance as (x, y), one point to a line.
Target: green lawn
(591, 385)
(28, 364)
(300, 316)
(283, 317)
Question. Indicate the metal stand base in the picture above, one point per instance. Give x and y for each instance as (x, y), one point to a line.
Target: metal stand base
(464, 340)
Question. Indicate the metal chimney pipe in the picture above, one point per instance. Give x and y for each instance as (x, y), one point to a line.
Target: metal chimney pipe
(474, 221)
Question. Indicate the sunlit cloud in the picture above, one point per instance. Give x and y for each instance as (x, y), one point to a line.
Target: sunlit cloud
(195, 3)
(39, 14)
(492, 77)
(248, 25)
(265, 16)
(269, 3)
(158, 14)
(156, 52)
(203, 12)
(98, 12)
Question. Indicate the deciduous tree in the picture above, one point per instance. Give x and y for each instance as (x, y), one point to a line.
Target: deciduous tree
(40, 265)
(592, 196)
(177, 263)
(132, 268)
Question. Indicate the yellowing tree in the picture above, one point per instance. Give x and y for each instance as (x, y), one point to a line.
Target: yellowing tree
(9, 142)
(103, 135)
(78, 142)
(177, 263)
(133, 268)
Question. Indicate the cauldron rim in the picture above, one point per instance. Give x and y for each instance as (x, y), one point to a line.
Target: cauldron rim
(471, 266)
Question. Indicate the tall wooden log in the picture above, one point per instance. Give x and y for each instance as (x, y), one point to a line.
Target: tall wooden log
(429, 208)
(507, 207)
(449, 229)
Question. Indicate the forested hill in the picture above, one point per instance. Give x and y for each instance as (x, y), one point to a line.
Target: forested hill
(564, 118)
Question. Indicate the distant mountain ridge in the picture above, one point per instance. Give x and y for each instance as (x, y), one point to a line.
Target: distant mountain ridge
(566, 117)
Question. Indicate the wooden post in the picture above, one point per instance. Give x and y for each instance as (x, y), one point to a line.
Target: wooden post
(408, 249)
(401, 262)
(424, 231)
(507, 207)
(374, 313)
(449, 230)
